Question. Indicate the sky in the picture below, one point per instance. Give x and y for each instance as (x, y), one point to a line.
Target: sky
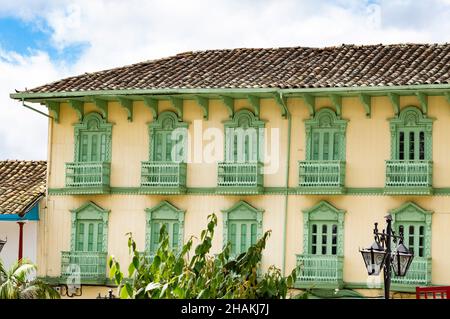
(43, 41)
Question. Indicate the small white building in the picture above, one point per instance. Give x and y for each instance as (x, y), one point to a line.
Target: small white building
(22, 190)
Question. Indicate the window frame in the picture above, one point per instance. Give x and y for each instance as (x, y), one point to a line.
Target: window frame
(164, 211)
(90, 211)
(403, 122)
(336, 125)
(157, 125)
(82, 126)
(254, 122)
(323, 213)
(242, 212)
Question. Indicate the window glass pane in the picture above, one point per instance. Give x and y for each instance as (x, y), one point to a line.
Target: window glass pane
(80, 237)
(233, 237)
(175, 235)
(334, 240)
(336, 146)
(411, 238)
(254, 233)
(91, 237)
(100, 237)
(326, 146)
(315, 146)
(243, 237)
(103, 148)
(94, 148)
(401, 145)
(422, 146)
(411, 145)
(313, 239)
(324, 239)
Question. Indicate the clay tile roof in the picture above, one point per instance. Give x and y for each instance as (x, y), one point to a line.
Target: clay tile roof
(295, 67)
(22, 183)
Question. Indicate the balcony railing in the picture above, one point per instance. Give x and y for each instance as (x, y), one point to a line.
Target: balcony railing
(419, 273)
(240, 176)
(160, 176)
(321, 174)
(91, 266)
(409, 174)
(319, 271)
(88, 176)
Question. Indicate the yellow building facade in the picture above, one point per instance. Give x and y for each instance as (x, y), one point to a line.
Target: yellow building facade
(342, 160)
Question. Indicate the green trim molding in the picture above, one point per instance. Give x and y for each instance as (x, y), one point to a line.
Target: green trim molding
(242, 211)
(163, 212)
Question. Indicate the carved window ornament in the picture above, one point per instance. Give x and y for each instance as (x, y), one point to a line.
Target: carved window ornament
(323, 213)
(325, 136)
(166, 132)
(411, 135)
(93, 139)
(414, 218)
(244, 137)
(242, 213)
(164, 213)
(90, 212)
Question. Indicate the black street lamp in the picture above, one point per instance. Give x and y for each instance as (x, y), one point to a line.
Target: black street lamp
(380, 255)
(2, 243)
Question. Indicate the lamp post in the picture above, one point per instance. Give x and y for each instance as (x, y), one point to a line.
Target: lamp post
(380, 255)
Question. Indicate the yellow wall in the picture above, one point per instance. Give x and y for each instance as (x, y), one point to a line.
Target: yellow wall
(368, 146)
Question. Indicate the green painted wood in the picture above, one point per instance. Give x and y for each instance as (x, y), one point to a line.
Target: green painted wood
(395, 102)
(152, 104)
(318, 173)
(281, 101)
(203, 103)
(102, 105)
(177, 104)
(310, 102)
(336, 100)
(228, 102)
(54, 109)
(415, 223)
(127, 104)
(436, 89)
(90, 265)
(411, 152)
(423, 100)
(78, 107)
(242, 225)
(319, 271)
(255, 104)
(366, 101)
(169, 215)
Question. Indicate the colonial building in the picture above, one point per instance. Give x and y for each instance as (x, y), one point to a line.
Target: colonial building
(22, 198)
(333, 140)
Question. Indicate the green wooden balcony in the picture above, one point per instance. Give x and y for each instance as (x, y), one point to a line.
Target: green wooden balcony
(321, 177)
(419, 274)
(163, 178)
(88, 177)
(409, 177)
(91, 266)
(319, 271)
(240, 178)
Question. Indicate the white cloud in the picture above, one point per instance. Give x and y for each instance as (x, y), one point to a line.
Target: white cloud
(122, 32)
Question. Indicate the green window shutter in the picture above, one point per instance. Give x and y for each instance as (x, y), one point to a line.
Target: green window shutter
(315, 146)
(168, 147)
(313, 249)
(336, 146)
(155, 236)
(84, 148)
(94, 148)
(91, 237)
(253, 234)
(232, 238)
(175, 235)
(326, 146)
(80, 237)
(103, 147)
(100, 237)
(334, 239)
(324, 239)
(411, 146)
(243, 237)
